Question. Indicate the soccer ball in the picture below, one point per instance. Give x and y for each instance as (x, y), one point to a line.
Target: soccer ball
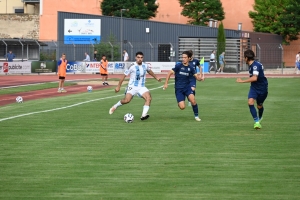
(89, 88)
(128, 118)
(19, 99)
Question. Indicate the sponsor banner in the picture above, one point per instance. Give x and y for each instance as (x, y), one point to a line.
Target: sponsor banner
(92, 67)
(76, 67)
(15, 67)
(154, 66)
(82, 31)
(110, 67)
(119, 67)
(43, 66)
(166, 66)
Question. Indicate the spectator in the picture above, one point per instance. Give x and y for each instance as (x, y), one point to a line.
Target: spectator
(125, 55)
(95, 55)
(10, 56)
(297, 64)
(87, 57)
(222, 62)
(212, 61)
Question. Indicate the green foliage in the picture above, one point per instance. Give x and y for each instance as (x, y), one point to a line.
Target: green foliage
(280, 17)
(44, 56)
(200, 12)
(104, 48)
(138, 9)
(221, 41)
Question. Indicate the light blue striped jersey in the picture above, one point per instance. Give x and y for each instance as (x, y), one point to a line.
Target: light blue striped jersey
(137, 74)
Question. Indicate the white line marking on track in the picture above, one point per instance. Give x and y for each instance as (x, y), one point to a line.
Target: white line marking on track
(65, 107)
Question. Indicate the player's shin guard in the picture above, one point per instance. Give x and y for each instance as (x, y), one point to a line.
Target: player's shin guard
(253, 113)
(260, 112)
(195, 110)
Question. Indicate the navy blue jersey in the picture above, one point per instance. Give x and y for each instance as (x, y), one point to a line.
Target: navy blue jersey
(194, 63)
(183, 75)
(257, 69)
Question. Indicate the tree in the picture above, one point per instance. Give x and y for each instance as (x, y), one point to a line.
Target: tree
(281, 17)
(221, 41)
(138, 9)
(104, 48)
(200, 11)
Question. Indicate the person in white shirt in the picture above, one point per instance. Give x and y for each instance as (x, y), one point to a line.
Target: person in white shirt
(297, 64)
(212, 61)
(87, 57)
(136, 86)
(125, 55)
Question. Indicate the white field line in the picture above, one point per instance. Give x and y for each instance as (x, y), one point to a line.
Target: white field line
(14, 86)
(41, 94)
(65, 107)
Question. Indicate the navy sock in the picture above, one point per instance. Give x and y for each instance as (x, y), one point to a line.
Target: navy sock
(253, 113)
(260, 112)
(195, 110)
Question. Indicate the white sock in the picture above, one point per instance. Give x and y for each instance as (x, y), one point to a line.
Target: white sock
(145, 110)
(59, 88)
(117, 104)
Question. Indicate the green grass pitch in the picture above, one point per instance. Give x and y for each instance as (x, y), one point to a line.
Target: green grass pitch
(75, 150)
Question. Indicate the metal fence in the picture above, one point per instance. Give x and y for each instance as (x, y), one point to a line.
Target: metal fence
(272, 56)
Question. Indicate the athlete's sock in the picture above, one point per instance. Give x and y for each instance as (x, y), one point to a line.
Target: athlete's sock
(253, 113)
(145, 110)
(117, 104)
(260, 112)
(195, 110)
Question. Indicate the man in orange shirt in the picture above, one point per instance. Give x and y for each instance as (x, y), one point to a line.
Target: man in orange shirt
(103, 70)
(62, 68)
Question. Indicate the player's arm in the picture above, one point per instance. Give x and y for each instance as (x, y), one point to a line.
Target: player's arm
(153, 75)
(167, 79)
(58, 65)
(120, 83)
(249, 80)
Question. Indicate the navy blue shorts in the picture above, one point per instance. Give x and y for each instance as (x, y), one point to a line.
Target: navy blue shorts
(260, 97)
(181, 93)
(193, 83)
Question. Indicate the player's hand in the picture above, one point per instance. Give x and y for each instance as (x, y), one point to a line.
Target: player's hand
(117, 89)
(202, 78)
(239, 80)
(165, 86)
(193, 88)
(158, 79)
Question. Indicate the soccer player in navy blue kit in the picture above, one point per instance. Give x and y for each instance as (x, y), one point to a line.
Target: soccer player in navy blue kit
(196, 65)
(258, 89)
(183, 74)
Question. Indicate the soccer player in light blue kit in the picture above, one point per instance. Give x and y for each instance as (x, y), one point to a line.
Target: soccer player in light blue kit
(196, 65)
(183, 74)
(136, 86)
(258, 89)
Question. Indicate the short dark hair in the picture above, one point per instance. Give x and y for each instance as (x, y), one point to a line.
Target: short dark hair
(191, 51)
(249, 54)
(139, 53)
(188, 53)
(63, 54)
(103, 55)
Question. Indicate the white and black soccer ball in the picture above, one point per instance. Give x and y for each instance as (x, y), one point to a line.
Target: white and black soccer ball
(19, 99)
(89, 88)
(128, 118)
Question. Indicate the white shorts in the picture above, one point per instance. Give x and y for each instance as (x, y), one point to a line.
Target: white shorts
(138, 91)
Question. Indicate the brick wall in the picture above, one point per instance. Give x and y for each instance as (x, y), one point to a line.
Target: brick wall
(19, 26)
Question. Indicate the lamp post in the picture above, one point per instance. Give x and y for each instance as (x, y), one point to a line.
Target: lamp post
(121, 31)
